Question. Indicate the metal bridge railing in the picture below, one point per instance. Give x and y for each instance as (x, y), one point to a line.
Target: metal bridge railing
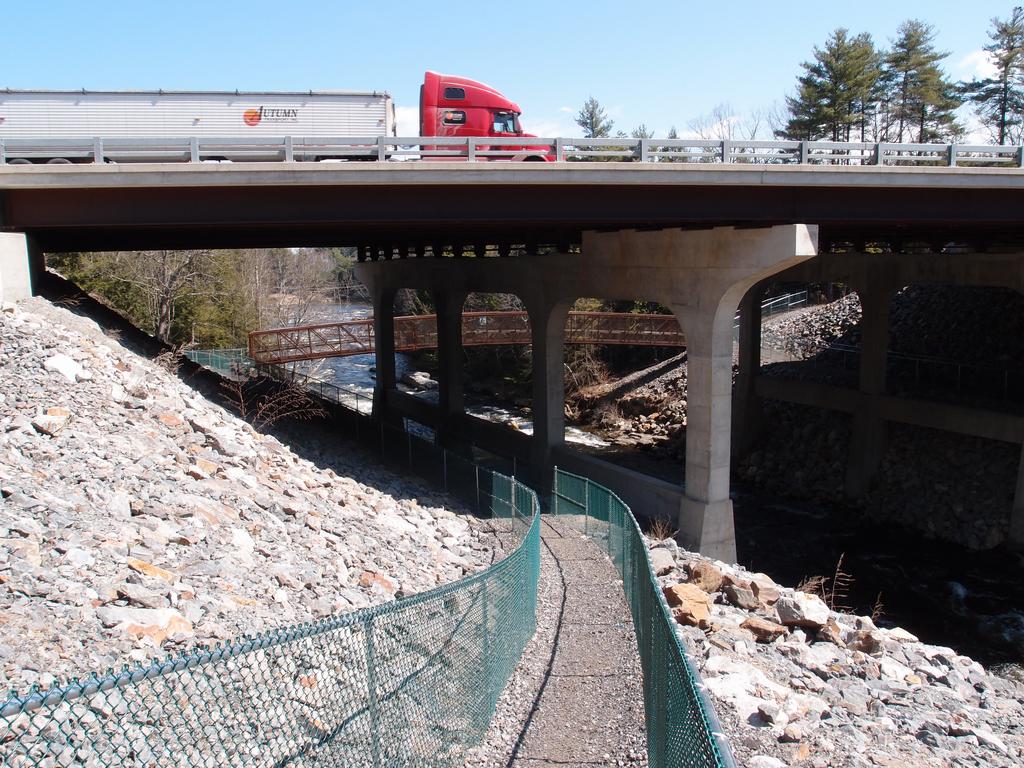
(682, 729)
(417, 332)
(485, 148)
(411, 682)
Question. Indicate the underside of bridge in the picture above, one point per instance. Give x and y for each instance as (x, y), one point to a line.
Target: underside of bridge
(700, 275)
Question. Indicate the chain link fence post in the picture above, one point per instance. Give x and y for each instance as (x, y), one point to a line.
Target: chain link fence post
(371, 685)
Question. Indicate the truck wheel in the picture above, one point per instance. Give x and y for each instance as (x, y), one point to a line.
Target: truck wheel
(19, 161)
(533, 159)
(58, 161)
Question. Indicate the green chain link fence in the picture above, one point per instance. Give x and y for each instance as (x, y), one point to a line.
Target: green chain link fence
(412, 682)
(682, 729)
(233, 363)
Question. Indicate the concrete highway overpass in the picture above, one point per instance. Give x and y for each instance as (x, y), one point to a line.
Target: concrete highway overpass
(700, 239)
(411, 205)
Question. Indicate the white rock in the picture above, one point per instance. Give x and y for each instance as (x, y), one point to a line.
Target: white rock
(66, 367)
(662, 561)
(802, 610)
(79, 558)
(397, 523)
(243, 545)
(893, 670)
(901, 635)
(989, 739)
(764, 761)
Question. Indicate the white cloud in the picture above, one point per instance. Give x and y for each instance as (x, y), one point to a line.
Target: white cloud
(976, 64)
(567, 110)
(974, 131)
(550, 128)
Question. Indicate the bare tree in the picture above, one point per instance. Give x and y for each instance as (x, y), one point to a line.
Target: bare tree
(293, 281)
(163, 278)
(724, 124)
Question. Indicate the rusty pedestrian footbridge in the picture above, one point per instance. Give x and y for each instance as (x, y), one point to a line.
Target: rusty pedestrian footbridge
(418, 332)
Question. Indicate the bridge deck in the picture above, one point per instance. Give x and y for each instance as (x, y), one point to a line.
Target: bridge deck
(417, 204)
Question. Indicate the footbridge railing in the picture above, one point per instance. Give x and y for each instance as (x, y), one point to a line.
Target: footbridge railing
(682, 729)
(416, 332)
(411, 682)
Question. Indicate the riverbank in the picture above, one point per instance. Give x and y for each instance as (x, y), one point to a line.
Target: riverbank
(797, 683)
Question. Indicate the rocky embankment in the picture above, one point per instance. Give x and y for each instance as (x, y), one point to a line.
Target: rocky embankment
(139, 517)
(804, 332)
(948, 486)
(796, 683)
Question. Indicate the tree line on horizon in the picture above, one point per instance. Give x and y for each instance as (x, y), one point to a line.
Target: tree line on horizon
(854, 90)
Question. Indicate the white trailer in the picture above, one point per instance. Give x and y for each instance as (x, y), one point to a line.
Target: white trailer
(160, 126)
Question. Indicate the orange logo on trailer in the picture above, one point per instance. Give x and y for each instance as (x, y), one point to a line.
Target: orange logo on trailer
(252, 116)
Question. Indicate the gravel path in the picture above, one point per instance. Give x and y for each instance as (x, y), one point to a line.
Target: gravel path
(576, 698)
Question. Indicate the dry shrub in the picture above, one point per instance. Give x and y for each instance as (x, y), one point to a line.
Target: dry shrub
(812, 585)
(661, 530)
(264, 409)
(878, 610)
(169, 360)
(69, 302)
(834, 590)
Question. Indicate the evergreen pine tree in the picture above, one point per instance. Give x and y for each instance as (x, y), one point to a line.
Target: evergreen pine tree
(920, 102)
(836, 90)
(999, 100)
(594, 120)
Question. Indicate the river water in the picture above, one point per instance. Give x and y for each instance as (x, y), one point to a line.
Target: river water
(973, 602)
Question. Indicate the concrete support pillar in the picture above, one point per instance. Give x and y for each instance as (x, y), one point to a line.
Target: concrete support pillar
(867, 443)
(547, 331)
(21, 265)
(705, 517)
(383, 346)
(1016, 538)
(451, 362)
(747, 408)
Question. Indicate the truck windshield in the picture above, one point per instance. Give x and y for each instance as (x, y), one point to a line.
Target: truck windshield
(506, 122)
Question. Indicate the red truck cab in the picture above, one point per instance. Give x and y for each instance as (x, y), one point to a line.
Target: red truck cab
(457, 106)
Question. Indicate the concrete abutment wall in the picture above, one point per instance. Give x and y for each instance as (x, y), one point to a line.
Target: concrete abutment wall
(21, 265)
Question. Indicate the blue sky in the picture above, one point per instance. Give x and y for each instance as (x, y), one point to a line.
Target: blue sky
(656, 63)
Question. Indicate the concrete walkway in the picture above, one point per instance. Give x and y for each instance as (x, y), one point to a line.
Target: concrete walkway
(576, 698)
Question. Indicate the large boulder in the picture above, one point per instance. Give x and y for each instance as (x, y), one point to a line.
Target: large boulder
(765, 631)
(705, 575)
(802, 610)
(690, 605)
(662, 561)
(154, 624)
(741, 596)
